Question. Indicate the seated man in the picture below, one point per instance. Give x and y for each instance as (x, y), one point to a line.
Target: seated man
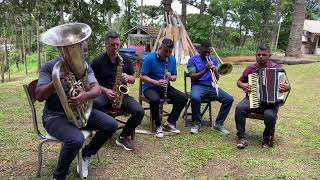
(57, 125)
(201, 78)
(157, 70)
(243, 108)
(105, 68)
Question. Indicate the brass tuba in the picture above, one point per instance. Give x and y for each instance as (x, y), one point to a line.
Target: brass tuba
(68, 39)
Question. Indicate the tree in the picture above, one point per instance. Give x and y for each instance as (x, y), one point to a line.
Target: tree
(152, 12)
(200, 27)
(295, 41)
(184, 11)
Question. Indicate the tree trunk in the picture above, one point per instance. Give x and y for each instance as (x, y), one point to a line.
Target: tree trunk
(5, 63)
(276, 23)
(295, 41)
(29, 40)
(202, 7)
(184, 11)
(24, 51)
(61, 15)
(141, 13)
(167, 5)
(110, 14)
(45, 29)
(224, 22)
(128, 13)
(38, 46)
(2, 68)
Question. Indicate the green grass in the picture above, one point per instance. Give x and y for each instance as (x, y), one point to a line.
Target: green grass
(208, 155)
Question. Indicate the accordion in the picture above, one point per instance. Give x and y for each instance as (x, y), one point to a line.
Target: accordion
(265, 87)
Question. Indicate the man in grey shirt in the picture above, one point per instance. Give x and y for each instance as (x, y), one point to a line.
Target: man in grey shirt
(57, 125)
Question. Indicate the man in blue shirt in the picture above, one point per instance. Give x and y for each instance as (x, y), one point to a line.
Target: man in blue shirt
(201, 86)
(158, 69)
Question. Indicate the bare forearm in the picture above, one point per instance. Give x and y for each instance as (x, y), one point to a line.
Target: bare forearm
(44, 91)
(147, 79)
(93, 92)
(196, 76)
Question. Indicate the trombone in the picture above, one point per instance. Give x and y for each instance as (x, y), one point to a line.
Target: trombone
(223, 69)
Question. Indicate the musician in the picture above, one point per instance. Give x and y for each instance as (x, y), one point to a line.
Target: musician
(57, 125)
(201, 79)
(243, 108)
(105, 70)
(156, 83)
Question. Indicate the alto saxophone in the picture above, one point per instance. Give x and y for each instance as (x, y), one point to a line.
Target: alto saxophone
(119, 88)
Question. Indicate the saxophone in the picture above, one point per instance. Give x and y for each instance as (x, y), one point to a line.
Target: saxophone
(68, 39)
(119, 88)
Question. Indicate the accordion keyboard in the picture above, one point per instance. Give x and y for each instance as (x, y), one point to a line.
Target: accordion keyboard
(254, 96)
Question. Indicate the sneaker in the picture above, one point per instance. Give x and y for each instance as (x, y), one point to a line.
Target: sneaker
(221, 129)
(125, 142)
(243, 142)
(195, 129)
(171, 128)
(85, 167)
(159, 132)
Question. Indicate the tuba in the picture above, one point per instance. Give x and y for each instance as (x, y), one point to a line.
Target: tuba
(119, 88)
(68, 39)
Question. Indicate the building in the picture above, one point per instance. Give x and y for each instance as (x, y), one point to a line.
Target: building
(311, 37)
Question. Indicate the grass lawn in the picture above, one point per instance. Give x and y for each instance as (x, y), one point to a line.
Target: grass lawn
(208, 155)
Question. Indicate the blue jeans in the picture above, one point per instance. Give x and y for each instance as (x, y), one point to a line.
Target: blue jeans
(62, 129)
(200, 91)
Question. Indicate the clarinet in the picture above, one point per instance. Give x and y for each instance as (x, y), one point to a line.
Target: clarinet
(167, 79)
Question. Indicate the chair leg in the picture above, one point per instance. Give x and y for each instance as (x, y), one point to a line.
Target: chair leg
(79, 156)
(98, 156)
(185, 114)
(272, 138)
(153, 126)
(210, 115)
(40, 158)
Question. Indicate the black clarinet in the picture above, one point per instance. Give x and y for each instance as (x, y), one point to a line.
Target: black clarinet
(167, 79)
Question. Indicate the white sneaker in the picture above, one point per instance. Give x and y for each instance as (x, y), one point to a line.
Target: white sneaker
(171, 128)
(85, 167)
(195, 129)
(159, 132)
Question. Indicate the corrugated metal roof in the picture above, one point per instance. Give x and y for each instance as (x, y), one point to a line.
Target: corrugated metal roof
(312, 26)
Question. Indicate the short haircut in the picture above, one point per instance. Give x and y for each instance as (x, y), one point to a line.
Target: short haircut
(206, 44)
(167, 43)
(263, 47)
(111, 35)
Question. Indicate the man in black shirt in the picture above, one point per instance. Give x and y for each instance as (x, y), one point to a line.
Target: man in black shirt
(105, 70)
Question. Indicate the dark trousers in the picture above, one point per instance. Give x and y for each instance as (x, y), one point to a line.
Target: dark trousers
(177, 98)
(59, 127)
(270, 117)
(200, 91)
(129, 105)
